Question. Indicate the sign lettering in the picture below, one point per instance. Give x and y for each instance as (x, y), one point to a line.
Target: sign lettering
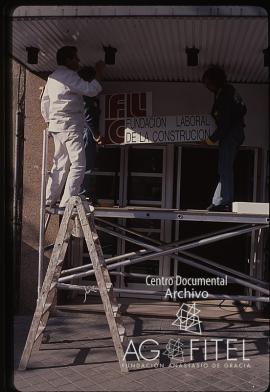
(168, 129)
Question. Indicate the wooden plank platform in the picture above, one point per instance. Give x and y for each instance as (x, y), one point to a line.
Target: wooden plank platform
(179, 215)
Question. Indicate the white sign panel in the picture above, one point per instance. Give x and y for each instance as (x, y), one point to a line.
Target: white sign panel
(168, 129)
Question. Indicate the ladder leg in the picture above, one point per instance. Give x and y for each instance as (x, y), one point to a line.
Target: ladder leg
(103, 280)
(107, 278)
(48, 288)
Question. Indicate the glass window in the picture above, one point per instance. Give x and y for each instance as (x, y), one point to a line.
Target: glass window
(147, 160)
(199, 176)
(108, 159)
(145, 188)
(107, 187)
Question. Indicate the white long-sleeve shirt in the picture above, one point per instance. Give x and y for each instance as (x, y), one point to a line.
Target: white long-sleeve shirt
(62, 102)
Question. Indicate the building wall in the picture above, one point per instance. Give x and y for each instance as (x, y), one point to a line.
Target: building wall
(34, 126)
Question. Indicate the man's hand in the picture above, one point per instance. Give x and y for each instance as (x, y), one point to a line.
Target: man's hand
(99, 139)
(202, 142)
(206, 142)
(99, 67)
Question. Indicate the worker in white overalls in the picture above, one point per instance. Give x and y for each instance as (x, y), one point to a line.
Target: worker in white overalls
(63, 108)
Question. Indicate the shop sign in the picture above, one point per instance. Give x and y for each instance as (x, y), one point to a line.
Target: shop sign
(184, 128)
(115, 108)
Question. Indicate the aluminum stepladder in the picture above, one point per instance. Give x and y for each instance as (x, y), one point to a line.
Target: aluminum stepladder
(77, 218)
(76, 212)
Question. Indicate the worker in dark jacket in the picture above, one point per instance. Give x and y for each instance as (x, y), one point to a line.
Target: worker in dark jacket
(91, 134)
(228, 111)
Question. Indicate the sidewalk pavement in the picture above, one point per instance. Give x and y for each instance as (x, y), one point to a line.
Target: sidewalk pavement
(80, 355)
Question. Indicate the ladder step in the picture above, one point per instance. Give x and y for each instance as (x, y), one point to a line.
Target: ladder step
(115, 309)
(121, 331)
(39, 331)
(60, 261)
(47, 307)
(76, 208)
(95, 237)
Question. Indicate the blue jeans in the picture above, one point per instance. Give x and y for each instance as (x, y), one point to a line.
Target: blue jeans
(90, 155)
(224, 193)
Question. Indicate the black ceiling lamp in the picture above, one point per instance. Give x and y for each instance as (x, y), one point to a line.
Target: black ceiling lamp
(109, 54)
(266, 57)
(32, 55)
(192, 56)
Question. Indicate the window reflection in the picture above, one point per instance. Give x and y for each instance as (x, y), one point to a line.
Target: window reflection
(145, 188)
(147, 160)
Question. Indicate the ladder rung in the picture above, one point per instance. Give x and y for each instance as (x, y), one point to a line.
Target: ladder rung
(60, 261)
(121, 331)
(115, 309)
(53, 286)
(39, 331)
(109, 286)
(47, 307)
(95, 237)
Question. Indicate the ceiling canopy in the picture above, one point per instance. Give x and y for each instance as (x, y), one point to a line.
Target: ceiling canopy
(150, 46)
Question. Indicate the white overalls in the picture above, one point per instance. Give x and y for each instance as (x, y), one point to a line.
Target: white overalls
(62, 106)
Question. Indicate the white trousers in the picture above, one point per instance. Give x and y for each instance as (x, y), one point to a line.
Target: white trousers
(68, 167)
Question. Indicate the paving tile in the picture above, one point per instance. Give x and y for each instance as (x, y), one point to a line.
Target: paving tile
(223, 384)
(246, 387)
(73, 339)
(74, 377)
(179, 387)
(86, 385)
(59, 382)
(42, 388)
(21, 384)
(22, 387)
(68, 388)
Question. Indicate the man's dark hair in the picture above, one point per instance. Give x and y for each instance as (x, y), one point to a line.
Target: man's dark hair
(87, 73)
(66, 52)
(217, 75)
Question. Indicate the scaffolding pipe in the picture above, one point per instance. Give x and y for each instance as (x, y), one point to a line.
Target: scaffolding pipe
(126, 230)
(18, 190)
(190, 262)
(160, 252)
(124, 237)
(64, 286)
(222, 275)
(140, 276)
(47, 222)
(120, 257)
(108, 261)
(224, 268)
(242, 226)
(42, 211)
(204, 259)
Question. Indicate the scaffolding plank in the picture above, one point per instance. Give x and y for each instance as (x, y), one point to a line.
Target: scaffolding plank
(179, 215)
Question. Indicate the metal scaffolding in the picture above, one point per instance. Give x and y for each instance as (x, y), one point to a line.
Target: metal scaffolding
(151, 249)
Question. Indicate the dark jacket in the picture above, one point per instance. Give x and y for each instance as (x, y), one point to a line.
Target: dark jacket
(228, 111)
(92, 113)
